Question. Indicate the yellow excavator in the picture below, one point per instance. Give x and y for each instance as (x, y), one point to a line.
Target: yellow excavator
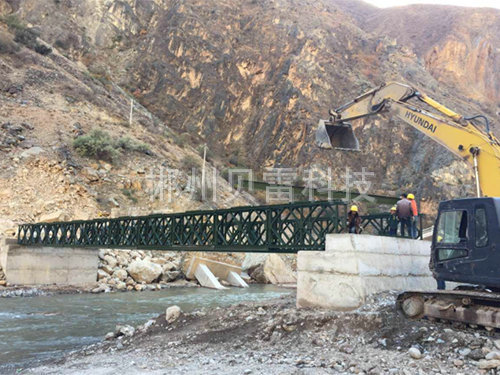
(466, 240)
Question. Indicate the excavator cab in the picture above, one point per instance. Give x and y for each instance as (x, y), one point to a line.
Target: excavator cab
(338, 136)
(466, 242)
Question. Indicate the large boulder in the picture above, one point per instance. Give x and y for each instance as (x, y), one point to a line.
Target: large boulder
(143, 271)
(268, 269)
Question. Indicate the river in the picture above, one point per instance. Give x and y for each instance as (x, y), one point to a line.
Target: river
(36, 329)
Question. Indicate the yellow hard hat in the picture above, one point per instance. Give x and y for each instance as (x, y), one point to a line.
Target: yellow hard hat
(393, 208)
(440, 238)
(354, 208)
(411, 196)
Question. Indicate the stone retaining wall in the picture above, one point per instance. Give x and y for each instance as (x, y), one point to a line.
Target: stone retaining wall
(355, 266)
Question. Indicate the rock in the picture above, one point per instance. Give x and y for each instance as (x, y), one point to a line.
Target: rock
(122, 260)
(159, 261)
(140, 287)
(476, 354)
(169, 266)
(130, 281)
(144, 271)
(110, 260)
(90, 174)
(120, 285)
(102, 254)
(109, 336)
(458, 362)
(493, 355)
(53, 217)
(101, 275)
(130, 288)
(172, 314)
(135, 254)
(170, 276)
(268, 269)
(120, 275)
(33, 151)
(107, 269)
(101, 288)
(488, 364)
(125, 330)
(496, 343)
(415, 353)
(464, 352)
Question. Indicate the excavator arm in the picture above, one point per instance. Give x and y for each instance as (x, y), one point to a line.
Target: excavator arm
(457, 133)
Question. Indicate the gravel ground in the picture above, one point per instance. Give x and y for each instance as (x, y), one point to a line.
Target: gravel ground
(274, 337)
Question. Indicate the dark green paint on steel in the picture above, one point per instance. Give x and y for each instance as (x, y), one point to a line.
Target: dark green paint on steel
(282, 228)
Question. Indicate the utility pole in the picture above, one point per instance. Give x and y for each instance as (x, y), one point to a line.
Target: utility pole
(203, 172)
(131, 111)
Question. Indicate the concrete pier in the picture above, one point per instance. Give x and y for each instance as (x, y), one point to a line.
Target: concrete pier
(354, 266)
(25, 265)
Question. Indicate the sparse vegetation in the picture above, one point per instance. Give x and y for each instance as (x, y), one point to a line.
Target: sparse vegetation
(129, 193)
(12, 21)
(25, 36)
(180, 140)
(198, 195)
(189, 162)
(127, 143)
(100, 145)
(238, 158)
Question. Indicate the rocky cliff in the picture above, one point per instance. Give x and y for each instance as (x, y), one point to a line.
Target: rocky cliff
(252, 79)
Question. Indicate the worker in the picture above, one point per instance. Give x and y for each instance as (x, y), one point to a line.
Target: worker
(414, 217)
(403, 212)
(393, 222)
(354, 220)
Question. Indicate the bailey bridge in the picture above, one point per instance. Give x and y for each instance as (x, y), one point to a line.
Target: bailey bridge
(282, 228)
(66, 252)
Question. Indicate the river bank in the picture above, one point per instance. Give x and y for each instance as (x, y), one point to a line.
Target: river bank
(34, 330)
(273, 337)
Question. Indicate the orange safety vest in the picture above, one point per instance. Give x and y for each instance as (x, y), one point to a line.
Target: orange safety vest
(414, 209)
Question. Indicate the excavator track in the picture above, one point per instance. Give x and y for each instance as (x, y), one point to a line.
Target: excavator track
(477, 308)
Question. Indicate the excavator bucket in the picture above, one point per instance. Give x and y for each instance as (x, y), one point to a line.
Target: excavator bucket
(339, 136)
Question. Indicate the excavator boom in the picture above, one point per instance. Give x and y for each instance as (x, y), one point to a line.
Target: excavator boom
(467, 231)
(453, 131)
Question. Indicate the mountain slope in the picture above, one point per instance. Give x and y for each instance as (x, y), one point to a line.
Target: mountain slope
(252, 79)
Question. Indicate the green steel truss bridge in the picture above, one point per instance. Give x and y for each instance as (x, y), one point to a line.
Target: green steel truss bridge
(283, 228)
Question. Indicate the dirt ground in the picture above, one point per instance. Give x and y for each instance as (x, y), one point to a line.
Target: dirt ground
(274, 337)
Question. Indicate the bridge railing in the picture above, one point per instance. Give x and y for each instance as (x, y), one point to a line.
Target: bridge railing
(379, 224)
(277, 228)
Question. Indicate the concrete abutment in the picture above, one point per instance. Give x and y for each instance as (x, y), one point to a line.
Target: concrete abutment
(354, 266)
(25, 265)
